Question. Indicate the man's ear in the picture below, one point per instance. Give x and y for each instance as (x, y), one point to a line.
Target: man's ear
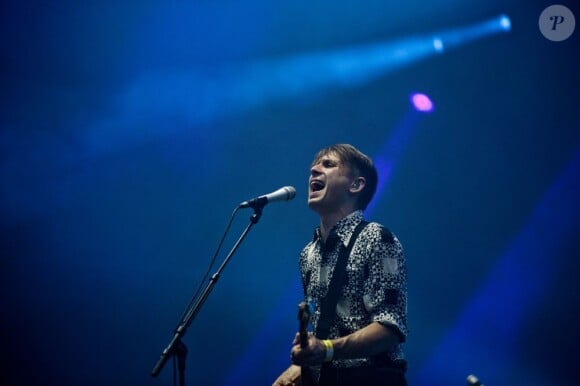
(357, 185)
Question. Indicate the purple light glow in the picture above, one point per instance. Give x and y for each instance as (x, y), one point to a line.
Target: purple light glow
(422, 103)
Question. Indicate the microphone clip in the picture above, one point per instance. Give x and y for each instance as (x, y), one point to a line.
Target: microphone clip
(255, 203)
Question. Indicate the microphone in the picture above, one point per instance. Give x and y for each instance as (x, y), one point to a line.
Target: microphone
(283, 194)
(472, 380)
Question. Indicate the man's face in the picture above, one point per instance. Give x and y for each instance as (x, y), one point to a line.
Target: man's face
(329, 184)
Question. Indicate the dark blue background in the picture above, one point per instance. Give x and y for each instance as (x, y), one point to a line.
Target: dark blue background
(120, 166)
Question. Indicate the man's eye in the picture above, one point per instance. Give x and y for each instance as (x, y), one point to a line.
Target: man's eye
(327, 164)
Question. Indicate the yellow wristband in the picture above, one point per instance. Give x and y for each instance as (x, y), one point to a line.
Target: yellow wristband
(329, 350)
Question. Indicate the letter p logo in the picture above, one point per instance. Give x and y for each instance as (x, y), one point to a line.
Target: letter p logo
(557, 23)
(556, 20)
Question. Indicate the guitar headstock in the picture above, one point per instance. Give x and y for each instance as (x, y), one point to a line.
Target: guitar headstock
(304, 315)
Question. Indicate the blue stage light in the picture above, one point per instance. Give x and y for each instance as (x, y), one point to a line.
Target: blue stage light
(438, 44)
(505, 22)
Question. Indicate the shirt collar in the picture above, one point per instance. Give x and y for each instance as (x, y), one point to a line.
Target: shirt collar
(343, 229)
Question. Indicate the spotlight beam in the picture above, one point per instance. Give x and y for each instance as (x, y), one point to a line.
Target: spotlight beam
(155, 104)
(513, 288)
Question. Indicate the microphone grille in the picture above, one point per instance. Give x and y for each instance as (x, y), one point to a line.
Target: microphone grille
(291, 191)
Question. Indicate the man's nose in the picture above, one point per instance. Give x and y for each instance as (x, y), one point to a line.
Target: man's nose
(314, 170)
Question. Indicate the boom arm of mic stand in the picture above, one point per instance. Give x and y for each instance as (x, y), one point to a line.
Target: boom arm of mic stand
(194, 310)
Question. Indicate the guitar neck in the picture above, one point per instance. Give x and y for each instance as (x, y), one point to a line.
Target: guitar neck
(304, 318)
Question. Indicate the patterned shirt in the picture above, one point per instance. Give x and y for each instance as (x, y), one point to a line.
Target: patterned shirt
(375, 283)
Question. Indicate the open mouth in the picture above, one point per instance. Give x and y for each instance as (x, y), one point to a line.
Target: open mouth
(316, 185)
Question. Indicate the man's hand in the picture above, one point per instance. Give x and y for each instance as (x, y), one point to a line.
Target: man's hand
(290, 377)
(311, 355)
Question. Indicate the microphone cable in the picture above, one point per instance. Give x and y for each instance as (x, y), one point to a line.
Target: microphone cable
(210, 266)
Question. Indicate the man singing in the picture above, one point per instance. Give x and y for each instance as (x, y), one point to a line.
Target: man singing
(354, 278)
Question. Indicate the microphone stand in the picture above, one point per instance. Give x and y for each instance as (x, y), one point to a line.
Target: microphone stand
(176, 346)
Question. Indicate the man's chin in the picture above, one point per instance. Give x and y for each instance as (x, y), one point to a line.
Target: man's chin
(315, 204)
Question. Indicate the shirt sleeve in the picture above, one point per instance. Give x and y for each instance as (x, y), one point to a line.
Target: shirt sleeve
(385, 281)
